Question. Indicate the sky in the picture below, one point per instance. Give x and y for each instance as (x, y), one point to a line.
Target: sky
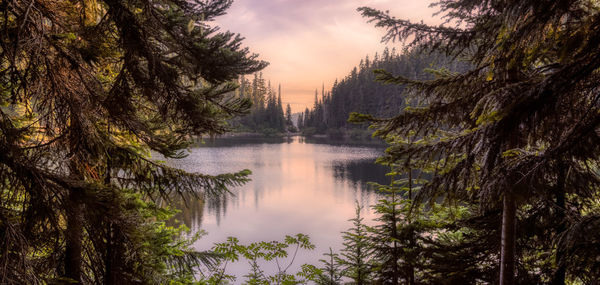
(309, 43)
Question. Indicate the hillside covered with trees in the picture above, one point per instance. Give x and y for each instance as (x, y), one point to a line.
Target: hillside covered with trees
(360, 92)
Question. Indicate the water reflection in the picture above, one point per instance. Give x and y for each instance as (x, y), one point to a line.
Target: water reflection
(193, 211)
(191, 208)
(297, 187)
(360, 172)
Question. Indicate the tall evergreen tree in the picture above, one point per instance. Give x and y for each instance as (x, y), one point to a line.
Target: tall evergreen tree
(288, 119)
(301, 121)
(266, 113)
(88, 88)
(280, 115)
(359, 91)
(510, 126)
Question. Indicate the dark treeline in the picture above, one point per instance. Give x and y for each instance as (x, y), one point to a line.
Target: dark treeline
(266, 115)
(360, 92)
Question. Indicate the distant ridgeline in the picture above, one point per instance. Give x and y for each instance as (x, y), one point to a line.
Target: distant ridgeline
(266, 115)
(359, 92)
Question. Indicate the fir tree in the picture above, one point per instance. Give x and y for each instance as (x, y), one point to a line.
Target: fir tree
(361, 93)
(356, 254)
(89, 89)
(288, 119)
(331, 272)
(301, 121)
(385, 238)
(266, 114)
(397, 238)
(514, 122)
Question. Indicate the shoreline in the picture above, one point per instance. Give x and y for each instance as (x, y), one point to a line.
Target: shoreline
(249, 137)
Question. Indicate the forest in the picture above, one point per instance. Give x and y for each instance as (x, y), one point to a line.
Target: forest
(491, 121)
(266, 115)
(360, 92)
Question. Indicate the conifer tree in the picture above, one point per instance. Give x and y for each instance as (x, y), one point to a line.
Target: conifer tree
(88, 89)
(331, 272)
(266, 113)
(506, 129)
(288, 119)
(279, 113)
(398, 237)
(288, 114)
(301, 121)
(356, 254)
(385, 237)
(361, 93)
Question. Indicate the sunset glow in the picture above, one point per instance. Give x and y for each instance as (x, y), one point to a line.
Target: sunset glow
(312, 42)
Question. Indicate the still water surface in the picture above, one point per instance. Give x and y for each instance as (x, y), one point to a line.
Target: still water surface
(297, 187)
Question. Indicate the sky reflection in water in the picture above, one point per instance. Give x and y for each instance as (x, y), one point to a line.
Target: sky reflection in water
(296, 187)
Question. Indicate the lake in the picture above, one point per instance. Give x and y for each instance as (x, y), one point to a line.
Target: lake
(298, 186)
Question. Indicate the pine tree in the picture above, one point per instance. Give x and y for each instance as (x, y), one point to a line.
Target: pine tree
(385, 237)
(331, 271)
(361, 93)
(281, 124)
(300, 121)
(307, 118)
(512, 123)
(266, 113)
(356, 254)
(288, 120)
(397, 237)
(89, 89)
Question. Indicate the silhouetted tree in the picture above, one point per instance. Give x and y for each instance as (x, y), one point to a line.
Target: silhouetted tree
(359, 91)
(266, 114)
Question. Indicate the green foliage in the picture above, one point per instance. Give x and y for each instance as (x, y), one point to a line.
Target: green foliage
(360, 93)
(288, 119)
(510, 136)
(266, 114)
(331, 272)
(88, 90)
(356, 254)
(274, 253)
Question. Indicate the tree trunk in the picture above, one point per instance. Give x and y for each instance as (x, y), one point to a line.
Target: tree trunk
(411, 266)
(393, 226)
(508, 249)
(73, 236)
(113, 272)
(114, 256)
(412, 244)
(74, 210)
(560, 273)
